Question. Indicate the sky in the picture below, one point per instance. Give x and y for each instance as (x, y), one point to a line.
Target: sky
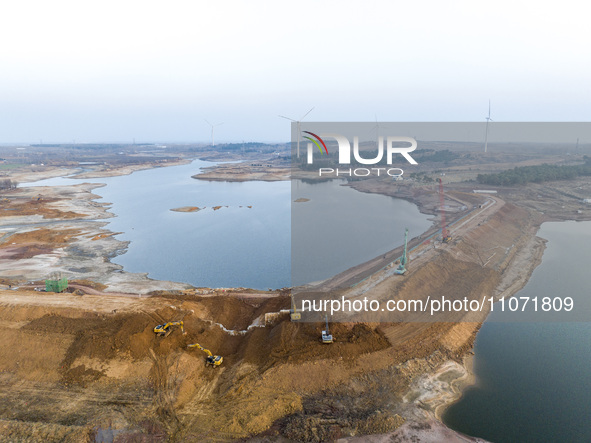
(114, 71)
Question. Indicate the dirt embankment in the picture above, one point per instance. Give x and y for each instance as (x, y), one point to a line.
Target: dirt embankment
(89, 370)
(91, 365)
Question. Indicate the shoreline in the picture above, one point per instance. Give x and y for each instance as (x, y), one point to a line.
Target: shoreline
(458, 386)
(90, 248)
(93, 217)
(528, 249)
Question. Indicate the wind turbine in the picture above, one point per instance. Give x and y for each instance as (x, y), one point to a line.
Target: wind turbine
(488, 119)
(213, 126)
(299, 126)
(377, 128)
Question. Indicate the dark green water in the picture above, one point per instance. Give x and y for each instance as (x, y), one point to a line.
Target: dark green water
(534, 377)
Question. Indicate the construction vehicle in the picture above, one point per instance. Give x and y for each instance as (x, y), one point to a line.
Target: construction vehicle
(213, 360)
(326, 335)
(294, 314)
(401, 269)
(165, 329)
(56, 283)
(445, 236)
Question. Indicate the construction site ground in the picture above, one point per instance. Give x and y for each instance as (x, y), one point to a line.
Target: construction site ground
(86, 365)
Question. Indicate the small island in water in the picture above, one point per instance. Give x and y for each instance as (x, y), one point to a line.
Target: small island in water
(196, 208)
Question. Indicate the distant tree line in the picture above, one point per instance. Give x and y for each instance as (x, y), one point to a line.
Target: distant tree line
(249, 147)
(536, 174)
(431, 155)
(421, 177)
(8, 184)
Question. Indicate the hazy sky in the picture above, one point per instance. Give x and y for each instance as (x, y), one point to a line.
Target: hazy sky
(153, 71)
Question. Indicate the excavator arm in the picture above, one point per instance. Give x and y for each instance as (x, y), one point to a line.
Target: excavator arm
(213, 360)
(197, 345)
(165, 329)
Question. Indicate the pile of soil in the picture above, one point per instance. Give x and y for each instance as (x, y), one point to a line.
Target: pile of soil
(289, 342)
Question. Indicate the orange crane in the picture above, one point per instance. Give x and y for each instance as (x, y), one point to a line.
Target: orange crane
(445, 237)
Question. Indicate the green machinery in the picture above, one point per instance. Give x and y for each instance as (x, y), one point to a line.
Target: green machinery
(56, 283)
(401, 269)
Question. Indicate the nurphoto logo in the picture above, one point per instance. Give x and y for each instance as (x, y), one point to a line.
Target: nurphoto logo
(344, 154)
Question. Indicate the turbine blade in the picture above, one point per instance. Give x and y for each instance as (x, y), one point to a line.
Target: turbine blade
(307, 113)
(287, 118)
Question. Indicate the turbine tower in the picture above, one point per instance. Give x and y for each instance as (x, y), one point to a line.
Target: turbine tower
(488, 119)
(377, 128)
(213, 126)
(299, 126)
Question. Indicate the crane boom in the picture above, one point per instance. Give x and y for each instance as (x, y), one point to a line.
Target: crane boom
(401, 269)
(404, 259)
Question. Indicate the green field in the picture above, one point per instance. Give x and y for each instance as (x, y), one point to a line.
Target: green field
(4, 166)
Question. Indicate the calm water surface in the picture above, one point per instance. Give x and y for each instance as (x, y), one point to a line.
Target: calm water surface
(231, 247)
(240, 246)
(534, 378)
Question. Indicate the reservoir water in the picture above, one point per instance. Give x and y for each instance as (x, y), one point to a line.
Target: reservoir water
(230, 247)
(238, 246)
(534, 378)
(339, 228)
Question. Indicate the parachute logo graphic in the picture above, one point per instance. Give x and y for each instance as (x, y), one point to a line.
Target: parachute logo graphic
(315, 142)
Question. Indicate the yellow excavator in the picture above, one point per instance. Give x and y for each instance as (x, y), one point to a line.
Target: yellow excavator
(165, 329)
(213, 360)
